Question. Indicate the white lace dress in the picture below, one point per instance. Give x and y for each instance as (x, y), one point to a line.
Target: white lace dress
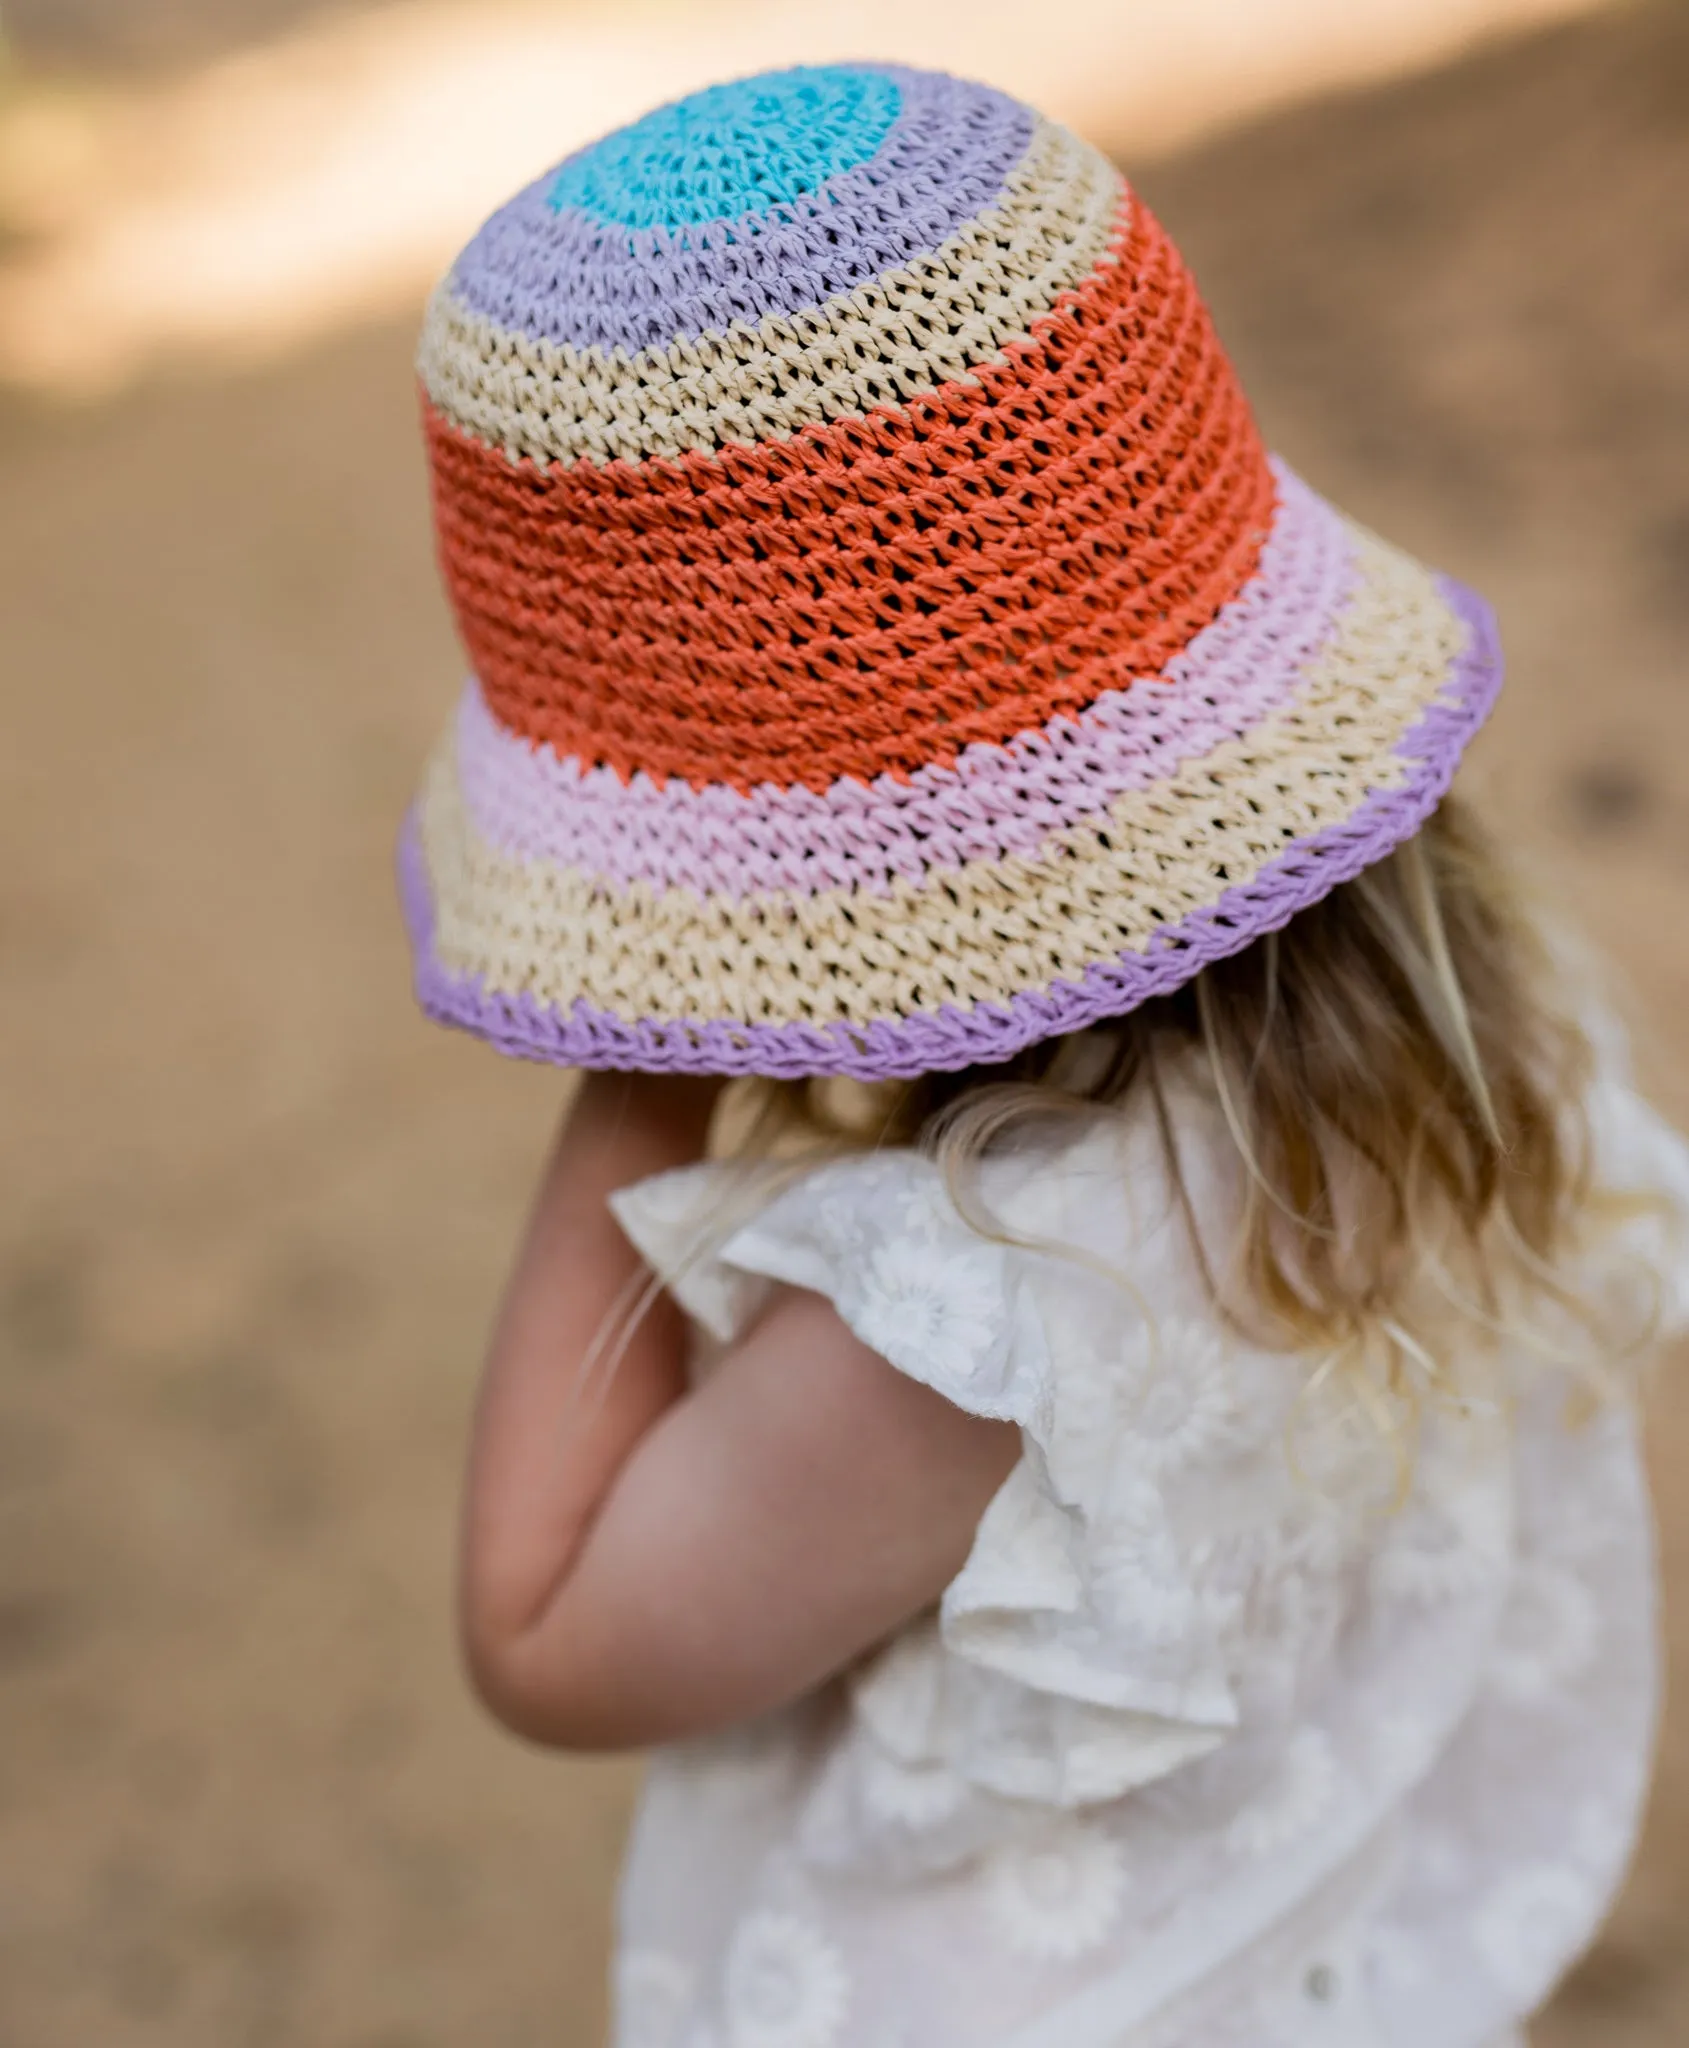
(1205, 1747)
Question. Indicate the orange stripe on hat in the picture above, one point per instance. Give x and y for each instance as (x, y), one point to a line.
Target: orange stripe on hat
(876, 594)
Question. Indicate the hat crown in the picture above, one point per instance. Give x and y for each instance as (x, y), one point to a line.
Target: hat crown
(749, 146)
(820, 426)
(892, 644)
(764, 199)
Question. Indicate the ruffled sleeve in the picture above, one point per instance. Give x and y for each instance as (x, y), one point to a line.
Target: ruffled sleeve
(680, 1223)
(1078, 1654)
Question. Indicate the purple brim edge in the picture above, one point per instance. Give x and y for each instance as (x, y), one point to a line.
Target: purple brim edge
(988, 1032)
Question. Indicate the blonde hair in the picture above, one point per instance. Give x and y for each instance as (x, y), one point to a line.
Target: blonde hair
(1404, 1099)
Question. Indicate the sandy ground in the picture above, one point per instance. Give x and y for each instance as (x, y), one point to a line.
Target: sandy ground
(240, 207)
(158, 31)
(255, 1213)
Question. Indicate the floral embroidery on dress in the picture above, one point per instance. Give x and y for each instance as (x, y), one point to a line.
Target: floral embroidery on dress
(941, 1311)
(1524, 1925)
(1299, 1792)
(913, 1795)
(1139, 1580)
(1185, 1409)
(1547, 1635)
(838, 1219)
(896, 1692)
(784, 1985)
(920, 1216)
(1454, 1537)
(1165, 1402)
(653, 1994)
(1057, 1897)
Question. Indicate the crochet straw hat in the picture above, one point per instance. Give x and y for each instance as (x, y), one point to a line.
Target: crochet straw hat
(891, 642)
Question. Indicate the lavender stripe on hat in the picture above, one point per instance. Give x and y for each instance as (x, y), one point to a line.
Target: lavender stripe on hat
(1309, 870)
(567, 277)
(994, 801)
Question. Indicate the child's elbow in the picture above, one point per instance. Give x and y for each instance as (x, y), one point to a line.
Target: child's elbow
(501, 1681)
(525, 1682)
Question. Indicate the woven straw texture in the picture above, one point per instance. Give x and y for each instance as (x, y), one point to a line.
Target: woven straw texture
(891, 642)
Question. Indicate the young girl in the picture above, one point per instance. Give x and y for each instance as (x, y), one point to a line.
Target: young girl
(1115, 1499)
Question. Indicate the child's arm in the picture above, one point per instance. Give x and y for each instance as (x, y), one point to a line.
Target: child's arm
(661, 1561)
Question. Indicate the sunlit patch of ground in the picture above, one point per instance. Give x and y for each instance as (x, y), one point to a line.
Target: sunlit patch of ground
(263, 198)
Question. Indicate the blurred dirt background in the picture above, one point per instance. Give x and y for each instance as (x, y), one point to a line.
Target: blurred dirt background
(254, 1214)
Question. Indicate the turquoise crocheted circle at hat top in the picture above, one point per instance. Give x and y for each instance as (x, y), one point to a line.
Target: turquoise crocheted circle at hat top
(891, 643)
(732, 149)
